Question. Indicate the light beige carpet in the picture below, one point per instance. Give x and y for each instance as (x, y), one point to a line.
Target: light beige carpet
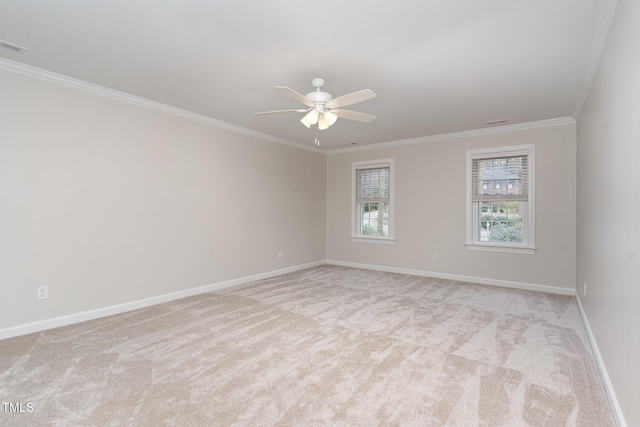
(327, 346)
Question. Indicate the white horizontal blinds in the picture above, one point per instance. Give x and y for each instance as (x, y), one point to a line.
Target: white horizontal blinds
(372, 185)
(500, 178)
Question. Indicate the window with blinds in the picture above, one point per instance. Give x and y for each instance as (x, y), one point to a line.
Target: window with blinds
(372, 185)
(500, 178)
(372, 200)
(500, 199)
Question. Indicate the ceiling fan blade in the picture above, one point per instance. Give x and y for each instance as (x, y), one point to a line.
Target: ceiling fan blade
(295, 95)
(300, 110)
(351, 98)
(354, 115)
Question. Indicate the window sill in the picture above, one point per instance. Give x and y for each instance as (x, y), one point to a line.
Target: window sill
(382, 240)
(501, 248)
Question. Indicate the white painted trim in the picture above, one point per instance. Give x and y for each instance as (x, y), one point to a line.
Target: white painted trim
(135, 305)
(459, 278)
(378, 240)
(502, 249)
(602, 29)
(613, 400)
(37, 73)
(455, 135)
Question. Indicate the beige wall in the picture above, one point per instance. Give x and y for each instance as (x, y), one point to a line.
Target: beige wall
(430, 189)
(107, 203)
(609, 207)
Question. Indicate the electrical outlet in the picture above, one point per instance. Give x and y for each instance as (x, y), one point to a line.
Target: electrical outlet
(280, 255)
(43, 292)
(434, 257)
(585, 289)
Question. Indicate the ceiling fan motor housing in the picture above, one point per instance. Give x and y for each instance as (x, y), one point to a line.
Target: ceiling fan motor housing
(318, 96)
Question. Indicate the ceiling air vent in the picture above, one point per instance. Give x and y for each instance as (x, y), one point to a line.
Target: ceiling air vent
(493, 122)
(13, 47)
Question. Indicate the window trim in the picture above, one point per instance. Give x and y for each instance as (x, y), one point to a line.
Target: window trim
(529, 247)
(371, 164)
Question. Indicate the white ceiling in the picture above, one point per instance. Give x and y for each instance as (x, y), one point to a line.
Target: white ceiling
(437, 66)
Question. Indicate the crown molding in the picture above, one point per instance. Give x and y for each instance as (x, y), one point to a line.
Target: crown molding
(464, 134)
(602, 29)
(59, 79)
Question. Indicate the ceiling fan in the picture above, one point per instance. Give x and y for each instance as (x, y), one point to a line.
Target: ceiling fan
(323, 110)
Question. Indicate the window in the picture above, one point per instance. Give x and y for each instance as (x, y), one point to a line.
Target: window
(372, 201)
(500, 199)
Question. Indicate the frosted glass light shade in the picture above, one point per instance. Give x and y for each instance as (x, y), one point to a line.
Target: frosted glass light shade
(323, 123)
(330, 117)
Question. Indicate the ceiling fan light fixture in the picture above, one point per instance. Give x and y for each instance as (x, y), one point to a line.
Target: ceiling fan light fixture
(305, 122)
(312, 116)
(323, 123)
(330, 117)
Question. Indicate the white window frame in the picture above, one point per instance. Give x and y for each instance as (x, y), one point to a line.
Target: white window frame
(372, 164)
(528, 245)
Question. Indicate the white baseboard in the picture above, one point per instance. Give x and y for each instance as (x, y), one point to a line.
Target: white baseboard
(470, 279)
(617, 411)
(134, 305)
